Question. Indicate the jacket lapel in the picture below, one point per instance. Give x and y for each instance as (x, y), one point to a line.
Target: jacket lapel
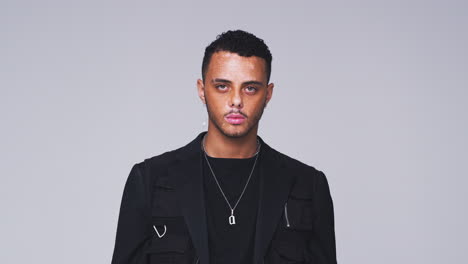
(275, 184)
(187, 172)
(274, 188)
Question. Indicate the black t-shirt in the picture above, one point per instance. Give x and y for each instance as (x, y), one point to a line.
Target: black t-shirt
(231, 243)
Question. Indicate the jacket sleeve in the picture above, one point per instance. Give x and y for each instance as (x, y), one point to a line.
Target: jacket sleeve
(134, 223)
(323, 243)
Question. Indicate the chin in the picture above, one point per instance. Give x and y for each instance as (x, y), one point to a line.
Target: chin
(235, 131)
(234, 134)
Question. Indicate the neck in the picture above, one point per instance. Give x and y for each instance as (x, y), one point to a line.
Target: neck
(218, 145)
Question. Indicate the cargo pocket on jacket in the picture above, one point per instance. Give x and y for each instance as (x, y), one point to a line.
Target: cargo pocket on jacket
(286, 253)
(298, 211)
(165, 203)
(170, 249)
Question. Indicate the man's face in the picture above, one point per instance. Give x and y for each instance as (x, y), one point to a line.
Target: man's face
(235, 92)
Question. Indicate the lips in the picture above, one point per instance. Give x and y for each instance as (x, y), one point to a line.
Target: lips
(235, 119)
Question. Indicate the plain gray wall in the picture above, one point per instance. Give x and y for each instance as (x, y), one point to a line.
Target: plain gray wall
(373, 93)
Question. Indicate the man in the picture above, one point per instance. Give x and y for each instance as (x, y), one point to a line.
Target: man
(227, 197)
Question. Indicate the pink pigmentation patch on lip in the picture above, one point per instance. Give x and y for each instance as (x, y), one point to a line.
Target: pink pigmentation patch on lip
(235, 120)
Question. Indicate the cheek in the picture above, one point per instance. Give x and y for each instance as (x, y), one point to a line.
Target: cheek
(257, 105)
(219, 105)
(216, 106)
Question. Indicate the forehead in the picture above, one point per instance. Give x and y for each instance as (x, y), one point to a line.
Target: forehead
(231, 65)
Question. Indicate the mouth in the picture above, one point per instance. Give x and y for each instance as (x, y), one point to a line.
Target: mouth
(235, 119)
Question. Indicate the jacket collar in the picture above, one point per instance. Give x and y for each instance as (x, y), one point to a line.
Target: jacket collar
(275, 184)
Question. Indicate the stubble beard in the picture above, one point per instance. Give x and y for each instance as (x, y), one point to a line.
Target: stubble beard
(237, 134)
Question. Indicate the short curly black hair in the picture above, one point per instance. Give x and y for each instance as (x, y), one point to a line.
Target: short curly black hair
(240, 42)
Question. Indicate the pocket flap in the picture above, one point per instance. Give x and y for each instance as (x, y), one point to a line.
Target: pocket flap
(303, 192)
(300, 214)
(303, 188)
(172, 243)
(165, 203)
(289, 251)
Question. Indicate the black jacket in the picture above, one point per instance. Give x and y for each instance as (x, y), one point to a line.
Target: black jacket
(162, 215)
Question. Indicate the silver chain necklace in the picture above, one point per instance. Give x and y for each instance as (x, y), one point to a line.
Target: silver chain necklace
(232, 218)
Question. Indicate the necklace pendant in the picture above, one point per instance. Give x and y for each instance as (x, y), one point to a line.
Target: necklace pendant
(232, 218)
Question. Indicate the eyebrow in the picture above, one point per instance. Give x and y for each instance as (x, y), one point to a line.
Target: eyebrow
(228, 81)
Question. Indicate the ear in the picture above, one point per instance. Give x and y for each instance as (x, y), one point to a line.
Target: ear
(269, 92)
(201, 90)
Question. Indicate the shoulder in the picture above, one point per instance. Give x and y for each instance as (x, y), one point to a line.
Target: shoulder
(307, 177)
(147, 172)
(298, 166)
(158, 162)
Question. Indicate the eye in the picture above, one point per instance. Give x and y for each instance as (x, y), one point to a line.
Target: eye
(251, 89)
(221, 87)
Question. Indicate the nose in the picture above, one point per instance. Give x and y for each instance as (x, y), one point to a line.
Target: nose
(235, 99)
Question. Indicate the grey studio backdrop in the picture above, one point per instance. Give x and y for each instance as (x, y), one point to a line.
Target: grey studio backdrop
(373, 93)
